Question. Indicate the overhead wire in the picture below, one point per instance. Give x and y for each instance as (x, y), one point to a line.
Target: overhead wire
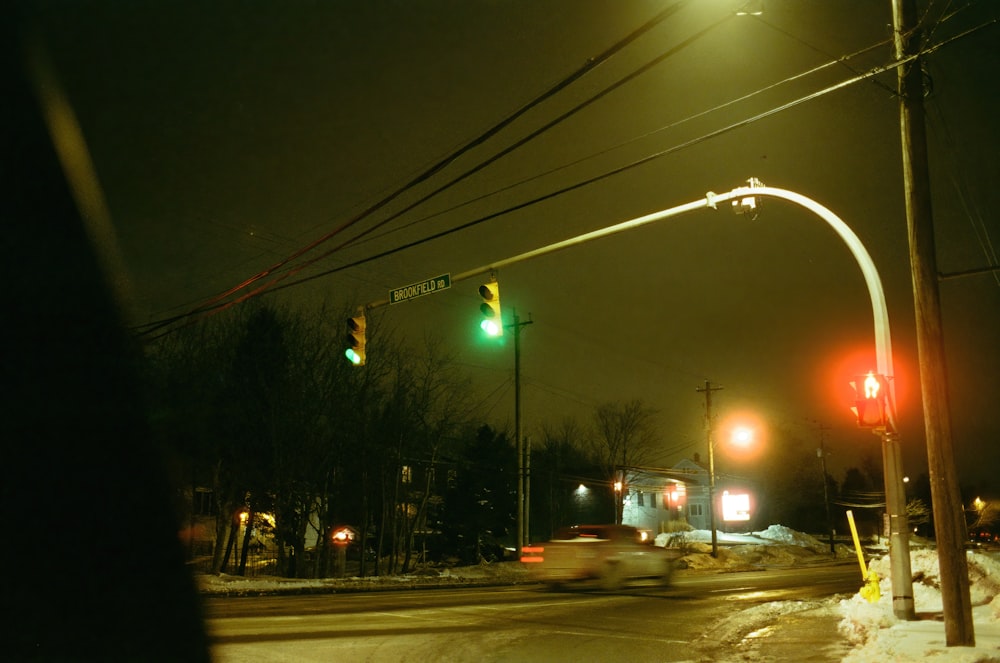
(607, 90)
(545, 127)
(468, 173)
(595, 178)
(955, 172)
(635, 139)
(580, 184)
(273, 287)
(213, 302)
(877, 71)
(973, 213)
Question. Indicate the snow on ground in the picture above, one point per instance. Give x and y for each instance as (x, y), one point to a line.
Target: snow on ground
(874, 632)
(880, 636)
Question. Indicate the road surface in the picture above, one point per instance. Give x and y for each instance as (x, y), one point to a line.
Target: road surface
(700, 617)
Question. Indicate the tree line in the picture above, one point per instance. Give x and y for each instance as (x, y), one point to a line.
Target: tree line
(261, 407)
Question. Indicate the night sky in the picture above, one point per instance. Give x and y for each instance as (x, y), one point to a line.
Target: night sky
(227, 135)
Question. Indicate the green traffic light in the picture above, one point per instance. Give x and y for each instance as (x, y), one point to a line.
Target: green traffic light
(353, 356)
(490, 327)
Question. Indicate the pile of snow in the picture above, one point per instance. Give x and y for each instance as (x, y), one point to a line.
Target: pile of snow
(775, 546)
(789, 537)
(877, 635)
(773, 535)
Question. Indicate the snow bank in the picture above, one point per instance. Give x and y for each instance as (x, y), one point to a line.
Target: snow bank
(775, 546)
(877, 635)
(783, 535)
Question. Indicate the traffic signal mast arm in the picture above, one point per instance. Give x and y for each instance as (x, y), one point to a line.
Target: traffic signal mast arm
(744, 200)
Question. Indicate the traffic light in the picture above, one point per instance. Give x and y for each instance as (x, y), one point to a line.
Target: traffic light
(869, 401)
(492, 323)
(356, 340)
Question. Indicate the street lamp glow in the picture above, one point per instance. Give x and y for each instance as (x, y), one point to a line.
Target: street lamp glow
(743, 436)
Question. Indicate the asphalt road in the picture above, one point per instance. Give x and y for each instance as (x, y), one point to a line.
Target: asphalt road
(699, 618)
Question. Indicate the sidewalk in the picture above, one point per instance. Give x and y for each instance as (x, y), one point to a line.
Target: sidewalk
(806, 636)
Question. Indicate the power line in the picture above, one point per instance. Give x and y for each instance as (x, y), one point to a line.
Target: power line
(217, 305)
(213, 303)
(271, 287)
(635, 73)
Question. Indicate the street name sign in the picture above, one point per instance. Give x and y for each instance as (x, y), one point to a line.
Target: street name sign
(414, 290)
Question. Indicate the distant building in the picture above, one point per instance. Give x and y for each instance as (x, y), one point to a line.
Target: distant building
(663, 501)
(669, 500)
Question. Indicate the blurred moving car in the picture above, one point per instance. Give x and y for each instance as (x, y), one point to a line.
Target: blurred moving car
(608, 554)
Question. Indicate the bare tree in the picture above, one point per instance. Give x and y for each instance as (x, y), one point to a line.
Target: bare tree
(984, 514)
(917, 512)
(624, 437)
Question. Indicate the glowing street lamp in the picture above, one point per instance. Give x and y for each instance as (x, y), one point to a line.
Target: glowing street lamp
(743, 436)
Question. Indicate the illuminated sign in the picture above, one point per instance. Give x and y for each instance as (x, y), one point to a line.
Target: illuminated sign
(735, 506)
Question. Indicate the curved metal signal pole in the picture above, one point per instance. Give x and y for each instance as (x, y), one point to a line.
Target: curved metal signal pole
(744, 198)
(895, 497)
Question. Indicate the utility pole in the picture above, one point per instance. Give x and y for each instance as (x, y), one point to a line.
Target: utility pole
(949, 518)
(522, 471)
(527, 489)
(821, 452)
(707, 390)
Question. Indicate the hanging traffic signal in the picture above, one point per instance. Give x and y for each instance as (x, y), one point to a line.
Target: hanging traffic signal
(356, 340)
(492, 323)
(869, 401)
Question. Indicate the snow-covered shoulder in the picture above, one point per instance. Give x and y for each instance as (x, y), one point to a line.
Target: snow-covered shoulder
(878, 635)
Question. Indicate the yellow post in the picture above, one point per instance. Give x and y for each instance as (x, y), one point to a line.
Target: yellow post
(870, 591)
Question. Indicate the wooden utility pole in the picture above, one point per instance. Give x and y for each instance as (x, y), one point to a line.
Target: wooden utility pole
(821, 452)
(949, 518)
(522, 468)
(707, 390)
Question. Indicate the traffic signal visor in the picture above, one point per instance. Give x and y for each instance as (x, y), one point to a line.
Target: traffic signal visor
(356, 340)
(492, 323)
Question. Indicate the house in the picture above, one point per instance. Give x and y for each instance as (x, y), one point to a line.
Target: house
(665, 500)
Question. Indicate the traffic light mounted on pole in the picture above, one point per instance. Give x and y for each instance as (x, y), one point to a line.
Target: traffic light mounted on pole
(356, 340)
(870, 400)
(492, 322)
